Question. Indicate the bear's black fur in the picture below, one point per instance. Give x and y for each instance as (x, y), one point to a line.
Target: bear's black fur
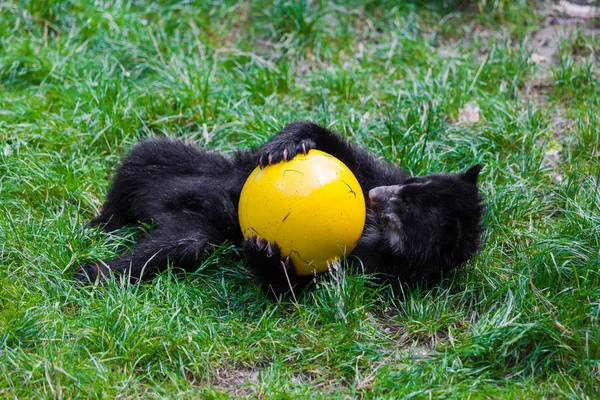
(417, 228)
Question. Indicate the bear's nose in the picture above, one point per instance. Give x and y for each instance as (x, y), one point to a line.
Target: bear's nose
(383, 193)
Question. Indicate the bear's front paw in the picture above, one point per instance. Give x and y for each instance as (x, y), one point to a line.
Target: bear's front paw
(264, 260)
(276, 151)
(260, 254)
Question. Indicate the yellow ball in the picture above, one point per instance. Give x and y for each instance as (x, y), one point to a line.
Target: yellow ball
(311, 206)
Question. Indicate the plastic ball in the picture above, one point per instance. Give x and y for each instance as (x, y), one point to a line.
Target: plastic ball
(312, 207)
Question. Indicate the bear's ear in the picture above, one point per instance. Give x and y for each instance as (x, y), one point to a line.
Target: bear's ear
(472, 173)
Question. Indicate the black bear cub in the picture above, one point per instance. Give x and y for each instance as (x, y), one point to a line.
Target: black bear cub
(417, 228)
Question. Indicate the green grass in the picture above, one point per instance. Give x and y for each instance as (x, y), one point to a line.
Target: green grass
(82, 82)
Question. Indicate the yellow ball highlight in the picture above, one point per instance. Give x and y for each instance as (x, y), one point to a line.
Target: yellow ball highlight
(311, 206)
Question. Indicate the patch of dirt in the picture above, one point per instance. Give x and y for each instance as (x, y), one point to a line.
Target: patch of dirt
(563, 22)
(236, 382)
(560, 24)
(239, 382)
(245, 382)
(545, 45)
(558, 27)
